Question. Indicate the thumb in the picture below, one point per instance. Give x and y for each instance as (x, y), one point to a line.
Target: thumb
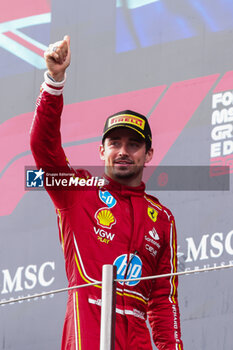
(67, 39)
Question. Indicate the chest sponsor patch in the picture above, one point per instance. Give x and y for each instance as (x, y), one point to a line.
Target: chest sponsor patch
(128, 269)
(152, 250)
(152, 241)
(152, 213)
(105, 218)
(107, 198)
(153, 233)
(103, 236)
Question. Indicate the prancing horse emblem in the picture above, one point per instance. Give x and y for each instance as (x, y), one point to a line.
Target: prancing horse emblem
(152, 213)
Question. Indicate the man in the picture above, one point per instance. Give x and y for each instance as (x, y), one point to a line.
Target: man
(115, 224)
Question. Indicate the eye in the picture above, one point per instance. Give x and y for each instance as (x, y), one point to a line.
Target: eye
(114, 143)
(134, 144)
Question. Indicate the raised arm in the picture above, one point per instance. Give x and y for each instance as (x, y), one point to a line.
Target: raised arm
(45, 137)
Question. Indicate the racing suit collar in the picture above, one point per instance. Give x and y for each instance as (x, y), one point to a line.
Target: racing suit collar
(126, 191)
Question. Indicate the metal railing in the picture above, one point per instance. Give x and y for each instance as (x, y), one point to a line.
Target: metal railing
(108, 297)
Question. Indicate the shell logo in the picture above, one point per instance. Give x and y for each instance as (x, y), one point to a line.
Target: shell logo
(105, 218)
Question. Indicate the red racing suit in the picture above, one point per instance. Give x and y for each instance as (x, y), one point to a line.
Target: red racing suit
(114, 224)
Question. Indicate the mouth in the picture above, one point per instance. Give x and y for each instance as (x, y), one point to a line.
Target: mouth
(123, 162)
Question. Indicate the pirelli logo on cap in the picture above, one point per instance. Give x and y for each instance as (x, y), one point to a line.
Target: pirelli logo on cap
(127, 119)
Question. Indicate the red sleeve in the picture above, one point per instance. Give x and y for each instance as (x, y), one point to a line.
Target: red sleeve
(163, 310)
(45, 140)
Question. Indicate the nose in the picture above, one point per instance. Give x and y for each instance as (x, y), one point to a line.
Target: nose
(123, 151)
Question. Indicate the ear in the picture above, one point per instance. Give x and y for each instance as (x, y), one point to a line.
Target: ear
(101, 152)
(149, 155)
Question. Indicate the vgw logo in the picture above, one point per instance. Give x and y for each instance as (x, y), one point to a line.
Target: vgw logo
(126, 270)
(34, 178)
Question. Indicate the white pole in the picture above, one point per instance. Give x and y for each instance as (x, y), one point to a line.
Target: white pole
(108, 308)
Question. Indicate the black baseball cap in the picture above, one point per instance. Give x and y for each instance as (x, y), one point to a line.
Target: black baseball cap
(132, 120)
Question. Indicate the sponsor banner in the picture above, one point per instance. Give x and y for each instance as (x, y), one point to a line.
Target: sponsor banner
(23, 281)
(207, 250)
(221, 147)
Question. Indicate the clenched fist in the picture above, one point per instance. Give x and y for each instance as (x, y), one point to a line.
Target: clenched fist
(57, 58)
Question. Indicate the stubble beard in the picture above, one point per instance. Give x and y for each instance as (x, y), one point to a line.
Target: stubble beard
(123, 173)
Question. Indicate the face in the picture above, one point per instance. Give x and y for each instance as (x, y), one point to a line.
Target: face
(124, 154)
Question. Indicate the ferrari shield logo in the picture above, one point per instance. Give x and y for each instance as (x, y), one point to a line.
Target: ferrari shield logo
(152, 213)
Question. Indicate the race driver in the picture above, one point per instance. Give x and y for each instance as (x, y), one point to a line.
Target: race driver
(117, 223)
